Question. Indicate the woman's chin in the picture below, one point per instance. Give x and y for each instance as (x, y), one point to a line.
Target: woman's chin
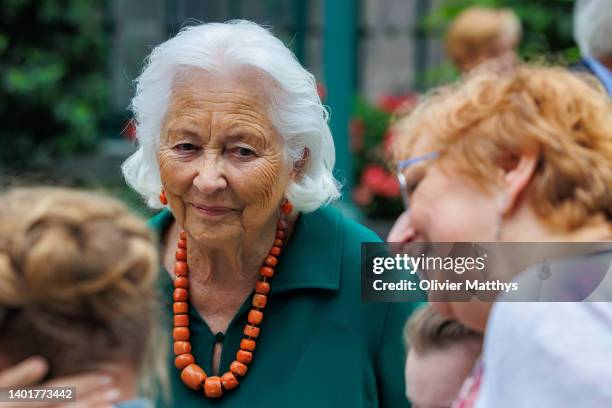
(217, 235)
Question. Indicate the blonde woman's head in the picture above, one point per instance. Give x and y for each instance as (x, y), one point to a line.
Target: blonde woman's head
(77, 272)
(535, 139)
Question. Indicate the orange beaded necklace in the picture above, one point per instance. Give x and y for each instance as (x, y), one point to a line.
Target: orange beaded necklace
(192, 374)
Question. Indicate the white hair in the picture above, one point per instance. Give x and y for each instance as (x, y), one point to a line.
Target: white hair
(295, 108)
(593, 27)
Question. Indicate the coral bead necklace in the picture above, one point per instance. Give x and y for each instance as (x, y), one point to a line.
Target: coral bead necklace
(192, 374)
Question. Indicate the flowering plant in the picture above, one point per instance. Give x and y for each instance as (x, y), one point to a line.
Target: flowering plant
(371, 136)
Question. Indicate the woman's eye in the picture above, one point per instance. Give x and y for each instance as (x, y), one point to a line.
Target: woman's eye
(244, 152)
(185, 147)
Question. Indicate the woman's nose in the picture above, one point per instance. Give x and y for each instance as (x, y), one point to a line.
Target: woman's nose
(211, 175)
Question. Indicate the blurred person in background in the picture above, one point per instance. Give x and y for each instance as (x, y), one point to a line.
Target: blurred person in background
(441, 355)
(260, 272)
(593, 34)
(523, 156)
(77, 296)
(483, 35)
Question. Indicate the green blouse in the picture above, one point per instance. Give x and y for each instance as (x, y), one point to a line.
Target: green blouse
(319, 346)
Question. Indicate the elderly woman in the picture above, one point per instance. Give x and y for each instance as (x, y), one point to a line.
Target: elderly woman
(523, 156)
(262, 277)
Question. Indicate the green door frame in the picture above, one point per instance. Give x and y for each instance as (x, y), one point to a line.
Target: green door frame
(340, 78)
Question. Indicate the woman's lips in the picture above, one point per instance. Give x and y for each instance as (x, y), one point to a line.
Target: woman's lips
(213, 211)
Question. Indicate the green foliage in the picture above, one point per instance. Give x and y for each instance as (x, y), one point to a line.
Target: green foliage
(375, 121)
(547, 30)
(53, 91)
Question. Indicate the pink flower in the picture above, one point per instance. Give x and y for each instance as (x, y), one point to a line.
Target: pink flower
(391, 103)
(379, 181)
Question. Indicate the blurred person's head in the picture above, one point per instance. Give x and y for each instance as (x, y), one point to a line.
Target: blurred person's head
(441, 354)
(77, 272)
(479, 35)
(521, 156)
(533, 144)
(593, 28)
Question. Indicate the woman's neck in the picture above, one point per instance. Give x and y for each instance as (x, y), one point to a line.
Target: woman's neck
(221, 276)
(526, 226)
(229, 265)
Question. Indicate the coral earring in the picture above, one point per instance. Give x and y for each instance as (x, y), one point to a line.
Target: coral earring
(286, 207)
(162, 198)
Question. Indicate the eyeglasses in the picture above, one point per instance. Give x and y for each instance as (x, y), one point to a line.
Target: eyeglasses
(402, 165)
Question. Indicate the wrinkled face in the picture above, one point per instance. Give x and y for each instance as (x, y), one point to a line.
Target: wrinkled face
(220, 158)
(434, 378)
(446, 206)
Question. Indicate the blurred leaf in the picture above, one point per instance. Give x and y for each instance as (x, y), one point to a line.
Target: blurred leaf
(3, 43)
(33, 78)
(53, 85)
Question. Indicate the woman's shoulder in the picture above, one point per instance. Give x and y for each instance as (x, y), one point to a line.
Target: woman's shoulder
(358, 232)
(334, 238)
(342, 235)
(547, 334)
(330, 218)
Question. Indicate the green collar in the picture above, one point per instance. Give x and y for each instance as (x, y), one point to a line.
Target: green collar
(312, 258)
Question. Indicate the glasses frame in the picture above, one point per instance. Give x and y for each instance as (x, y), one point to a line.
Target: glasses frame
(402, 165)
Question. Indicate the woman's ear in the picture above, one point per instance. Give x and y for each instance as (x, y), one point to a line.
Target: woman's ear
(516, 179)
(299, 165)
